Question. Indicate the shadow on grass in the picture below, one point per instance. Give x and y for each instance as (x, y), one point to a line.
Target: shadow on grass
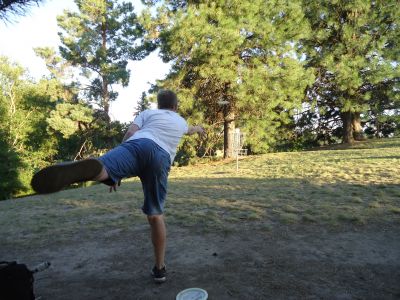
(376, 157)
(206, 203)
(367, 144)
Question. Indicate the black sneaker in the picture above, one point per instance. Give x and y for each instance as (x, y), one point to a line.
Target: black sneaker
(55, 178)
(159, 275)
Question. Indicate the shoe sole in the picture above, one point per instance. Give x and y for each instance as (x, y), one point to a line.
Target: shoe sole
(55, 178)
(158, 280)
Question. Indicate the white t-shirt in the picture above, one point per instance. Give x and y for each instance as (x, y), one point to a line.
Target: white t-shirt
(163, 126)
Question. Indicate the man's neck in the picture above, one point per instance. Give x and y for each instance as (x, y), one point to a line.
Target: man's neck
(170, 109)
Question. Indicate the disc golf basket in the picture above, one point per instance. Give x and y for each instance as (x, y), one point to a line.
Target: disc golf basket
(237, 145)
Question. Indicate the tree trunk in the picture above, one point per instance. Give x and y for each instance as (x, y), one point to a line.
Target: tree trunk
(347, 128)
(105, 94)
(378, 128)
(229, 129)
(357, 128)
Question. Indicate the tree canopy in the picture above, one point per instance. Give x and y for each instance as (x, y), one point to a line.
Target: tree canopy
(100, 39)
(354, 51)
(235, 62)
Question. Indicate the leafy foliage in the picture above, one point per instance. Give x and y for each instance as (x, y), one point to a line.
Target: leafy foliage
(9, 162)
(234, 62)
(25, 141)
(143, 104)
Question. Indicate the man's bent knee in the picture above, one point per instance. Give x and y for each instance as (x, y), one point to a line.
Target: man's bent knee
(102, 176)
(154, 219)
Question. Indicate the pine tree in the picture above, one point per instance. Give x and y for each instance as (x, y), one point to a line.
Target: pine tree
(234, 63)
(354, 51)
(81, 130)
(15, 7)
(143, 104)
(100, 39)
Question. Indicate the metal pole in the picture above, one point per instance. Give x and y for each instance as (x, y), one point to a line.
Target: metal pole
(237, 160)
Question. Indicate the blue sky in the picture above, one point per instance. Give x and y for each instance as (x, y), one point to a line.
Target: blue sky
(39, 29)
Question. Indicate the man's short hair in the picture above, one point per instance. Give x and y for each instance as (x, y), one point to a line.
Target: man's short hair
(167, 99)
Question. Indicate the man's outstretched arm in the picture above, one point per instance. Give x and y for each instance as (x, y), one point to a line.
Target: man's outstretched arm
(131, 131)
(195, 129)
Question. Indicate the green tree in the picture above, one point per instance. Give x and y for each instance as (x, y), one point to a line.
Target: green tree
(234, 63)
(15, 7)
(25, 106)
(383, 116)
(100, 39)
(10, 183)
(354, 52)
(143, 104)
(71, 118)
(80, 129)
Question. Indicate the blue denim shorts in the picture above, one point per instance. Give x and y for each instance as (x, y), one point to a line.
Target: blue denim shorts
(145, 159)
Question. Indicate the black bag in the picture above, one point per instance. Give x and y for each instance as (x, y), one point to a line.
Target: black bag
(16, 282)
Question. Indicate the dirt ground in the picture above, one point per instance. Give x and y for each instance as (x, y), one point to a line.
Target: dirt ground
(286, 262)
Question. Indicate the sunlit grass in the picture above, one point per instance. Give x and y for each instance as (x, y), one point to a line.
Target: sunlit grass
(328, 188)
(324, 187)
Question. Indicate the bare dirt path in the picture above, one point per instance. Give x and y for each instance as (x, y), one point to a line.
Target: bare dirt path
(287, 262)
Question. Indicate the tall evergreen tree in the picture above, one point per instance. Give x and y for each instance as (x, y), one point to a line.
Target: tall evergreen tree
(143, 104)
(100, 39)
(354, 50)
(234, 63)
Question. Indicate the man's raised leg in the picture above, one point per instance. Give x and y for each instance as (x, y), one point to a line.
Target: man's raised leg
(55, 178)
(103, 175)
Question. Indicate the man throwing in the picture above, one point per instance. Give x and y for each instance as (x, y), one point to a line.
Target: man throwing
(147, 151)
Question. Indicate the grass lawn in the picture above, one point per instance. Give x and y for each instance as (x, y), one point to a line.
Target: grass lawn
(333, 189)
(324, 187)
(330, 187)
